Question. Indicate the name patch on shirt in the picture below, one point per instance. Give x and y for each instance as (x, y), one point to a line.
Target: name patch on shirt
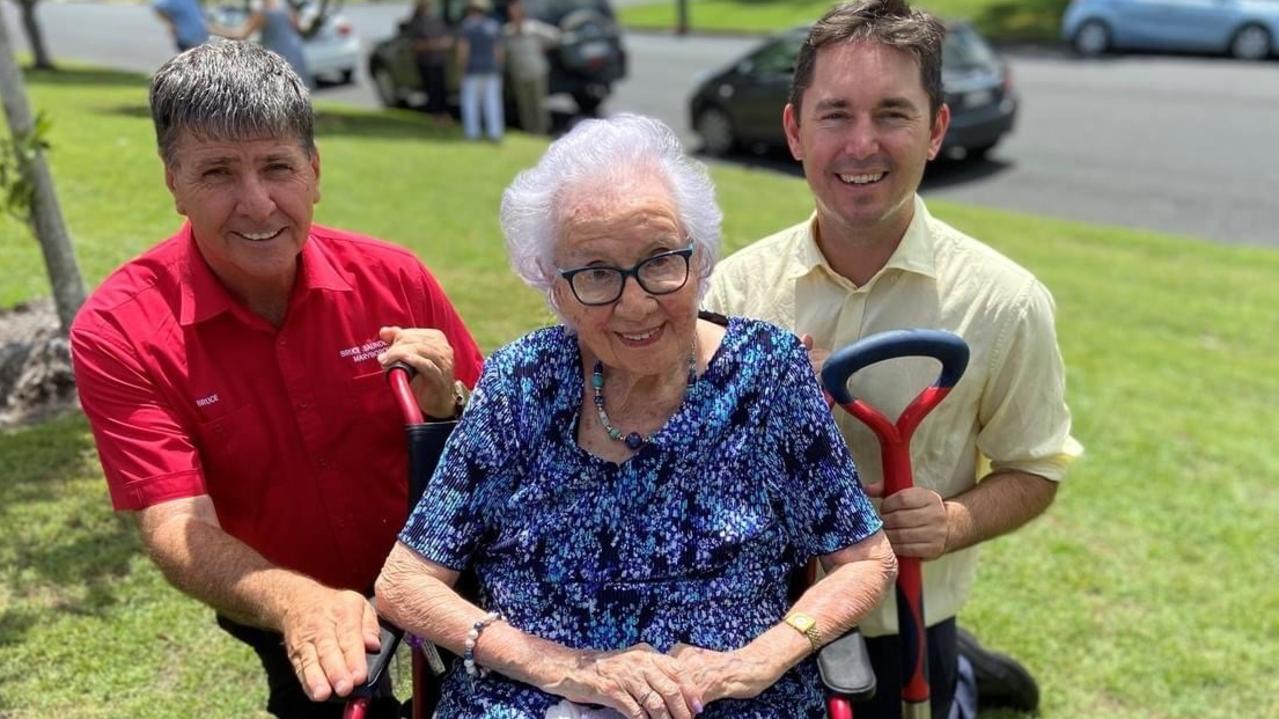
(206, 401)
(362, 353)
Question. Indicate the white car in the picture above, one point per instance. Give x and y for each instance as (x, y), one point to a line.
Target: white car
(332, 49)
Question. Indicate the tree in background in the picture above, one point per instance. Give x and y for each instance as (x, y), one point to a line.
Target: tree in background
(35, 37)
(26, 186)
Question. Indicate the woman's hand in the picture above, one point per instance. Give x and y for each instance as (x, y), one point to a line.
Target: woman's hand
(724, 675)
(640, 682)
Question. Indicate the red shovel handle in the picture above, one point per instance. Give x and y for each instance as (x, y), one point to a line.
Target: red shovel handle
(894, 445)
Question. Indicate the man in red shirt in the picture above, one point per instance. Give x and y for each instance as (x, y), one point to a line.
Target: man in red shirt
(233, 378)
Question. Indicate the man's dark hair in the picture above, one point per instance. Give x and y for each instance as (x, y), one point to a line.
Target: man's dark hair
(887, 22)
(229, 91)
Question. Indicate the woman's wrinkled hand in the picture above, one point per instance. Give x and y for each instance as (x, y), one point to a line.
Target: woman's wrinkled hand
(639, 681)
(723, 675)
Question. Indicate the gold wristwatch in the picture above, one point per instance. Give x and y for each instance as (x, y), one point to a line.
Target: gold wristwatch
(807, 626)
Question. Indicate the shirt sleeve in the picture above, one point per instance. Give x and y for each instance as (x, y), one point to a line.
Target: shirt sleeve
(823, 502)
(467, 360)
(448, 523)
(1025, 423)
(147, 455)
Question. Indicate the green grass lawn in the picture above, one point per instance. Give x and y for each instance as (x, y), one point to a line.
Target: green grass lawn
(1148, 591)
(998, 19)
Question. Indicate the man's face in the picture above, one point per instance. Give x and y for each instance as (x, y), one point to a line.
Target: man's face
(864, 135)
(250, 204)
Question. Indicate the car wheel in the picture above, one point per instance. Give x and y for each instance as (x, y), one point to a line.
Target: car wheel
(1092, 39)
(587, 103)
(387, 92)
(979, 152)
(715, 128)
(1252, 42)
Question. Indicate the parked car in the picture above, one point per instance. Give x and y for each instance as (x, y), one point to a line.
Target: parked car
(329, 43)
(741, 105)
(1246, 29)
(586, 63)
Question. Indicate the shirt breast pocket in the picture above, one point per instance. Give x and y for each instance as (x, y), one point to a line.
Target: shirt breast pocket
(228, 440)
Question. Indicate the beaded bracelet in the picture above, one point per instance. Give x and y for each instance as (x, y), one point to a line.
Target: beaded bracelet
(468, 657)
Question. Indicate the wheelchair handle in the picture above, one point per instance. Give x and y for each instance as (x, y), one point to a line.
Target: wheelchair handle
(894, 446)
(944, 347)
(400, 376)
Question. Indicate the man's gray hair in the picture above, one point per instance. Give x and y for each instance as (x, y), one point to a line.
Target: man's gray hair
(229, 91)
(601, 154)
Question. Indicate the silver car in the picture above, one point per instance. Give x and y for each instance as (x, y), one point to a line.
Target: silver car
(1246, 29)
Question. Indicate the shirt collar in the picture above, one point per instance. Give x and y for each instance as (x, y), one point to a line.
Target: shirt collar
(204, 296)
(913, 254)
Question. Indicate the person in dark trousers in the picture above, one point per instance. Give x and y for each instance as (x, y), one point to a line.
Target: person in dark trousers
(432, 42)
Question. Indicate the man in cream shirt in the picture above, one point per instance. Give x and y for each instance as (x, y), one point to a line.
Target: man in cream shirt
(865, 115)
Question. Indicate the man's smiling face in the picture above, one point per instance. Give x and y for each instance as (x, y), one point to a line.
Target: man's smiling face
(250, 205)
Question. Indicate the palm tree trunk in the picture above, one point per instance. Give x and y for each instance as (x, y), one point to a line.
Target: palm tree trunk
(45, 213)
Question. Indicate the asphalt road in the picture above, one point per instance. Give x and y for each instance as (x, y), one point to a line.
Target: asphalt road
(1186, 145)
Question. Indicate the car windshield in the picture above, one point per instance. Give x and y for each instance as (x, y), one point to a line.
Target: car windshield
(964, 49)
(554, 11)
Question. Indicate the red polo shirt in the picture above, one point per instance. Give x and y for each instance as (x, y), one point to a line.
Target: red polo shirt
(292, 432)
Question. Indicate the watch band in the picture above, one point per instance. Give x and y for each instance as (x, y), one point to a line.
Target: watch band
(807, 626)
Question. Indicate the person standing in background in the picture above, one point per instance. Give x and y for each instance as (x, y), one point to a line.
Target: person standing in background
(479, 54)
(431, 44)
(185, 21)
(527, 41)
(279, 33)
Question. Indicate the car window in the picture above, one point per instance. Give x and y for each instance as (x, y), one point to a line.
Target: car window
(777, 57)
(964, 48)
(554, 11)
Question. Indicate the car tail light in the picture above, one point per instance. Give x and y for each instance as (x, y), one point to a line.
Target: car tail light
(343, 28)
(1008, 79)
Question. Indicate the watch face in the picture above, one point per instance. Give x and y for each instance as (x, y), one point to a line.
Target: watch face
(802, 622)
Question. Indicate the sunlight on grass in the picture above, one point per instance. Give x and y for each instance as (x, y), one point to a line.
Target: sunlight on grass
(1148, 590)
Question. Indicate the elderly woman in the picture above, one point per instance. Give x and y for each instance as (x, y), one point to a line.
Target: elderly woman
(633, 489)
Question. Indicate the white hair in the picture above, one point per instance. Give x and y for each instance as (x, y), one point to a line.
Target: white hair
(605, 153)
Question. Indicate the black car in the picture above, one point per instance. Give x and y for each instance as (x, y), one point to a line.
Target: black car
(586, 63)
(741, 105)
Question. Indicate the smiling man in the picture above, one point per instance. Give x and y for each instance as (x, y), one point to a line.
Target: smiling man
(866, 114)
(232, 376)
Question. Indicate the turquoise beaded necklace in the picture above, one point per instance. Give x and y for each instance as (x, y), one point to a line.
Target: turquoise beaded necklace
(633, 440)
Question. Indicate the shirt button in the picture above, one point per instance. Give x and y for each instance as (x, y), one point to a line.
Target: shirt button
(304, 405)
(322, 463)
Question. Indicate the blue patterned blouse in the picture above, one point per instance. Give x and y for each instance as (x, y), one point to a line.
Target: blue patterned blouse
(690, 540)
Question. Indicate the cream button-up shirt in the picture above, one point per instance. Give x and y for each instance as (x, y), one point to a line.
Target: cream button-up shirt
(1009, 408)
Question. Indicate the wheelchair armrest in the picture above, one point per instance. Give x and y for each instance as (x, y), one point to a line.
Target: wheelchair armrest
(378, 661)
(845, 668)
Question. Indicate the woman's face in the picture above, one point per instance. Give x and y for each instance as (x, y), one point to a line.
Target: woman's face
(640, 333)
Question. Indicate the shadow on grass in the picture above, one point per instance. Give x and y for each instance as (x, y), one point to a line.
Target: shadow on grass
(64, 547)
(333, 121)
(86, 76)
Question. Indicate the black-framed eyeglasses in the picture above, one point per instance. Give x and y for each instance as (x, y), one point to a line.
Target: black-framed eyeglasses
(660, 274)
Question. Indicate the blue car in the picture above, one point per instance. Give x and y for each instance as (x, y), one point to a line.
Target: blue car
(1246, 29)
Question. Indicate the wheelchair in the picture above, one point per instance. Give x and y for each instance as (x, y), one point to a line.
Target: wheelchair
(844, 665)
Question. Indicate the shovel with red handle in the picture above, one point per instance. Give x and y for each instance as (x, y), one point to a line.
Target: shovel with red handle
(894, 446)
